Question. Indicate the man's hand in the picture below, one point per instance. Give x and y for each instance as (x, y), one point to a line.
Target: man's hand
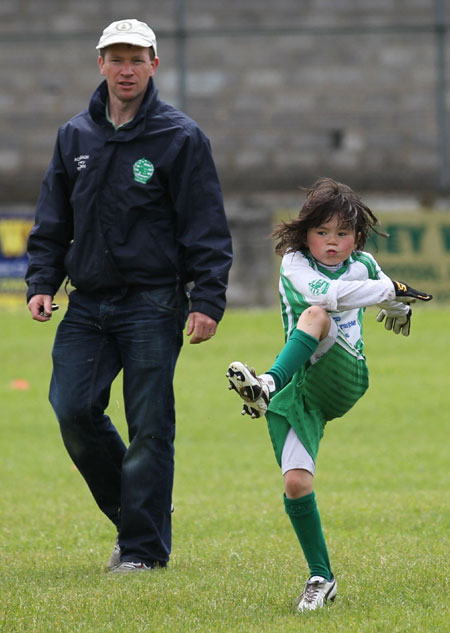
(201, 326)
(398, 323)
(406, 294)
(40, 307)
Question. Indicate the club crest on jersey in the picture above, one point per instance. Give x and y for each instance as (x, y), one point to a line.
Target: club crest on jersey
(319, 286)
(143, 170)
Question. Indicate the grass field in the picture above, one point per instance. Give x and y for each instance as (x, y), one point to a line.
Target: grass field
(382, 486)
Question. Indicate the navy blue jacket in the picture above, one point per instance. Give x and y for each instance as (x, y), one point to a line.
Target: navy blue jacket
(136, 206)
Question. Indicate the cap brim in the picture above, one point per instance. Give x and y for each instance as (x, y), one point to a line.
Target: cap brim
(134, 40)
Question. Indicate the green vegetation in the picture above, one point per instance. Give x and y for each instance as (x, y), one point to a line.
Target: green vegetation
(382, 486)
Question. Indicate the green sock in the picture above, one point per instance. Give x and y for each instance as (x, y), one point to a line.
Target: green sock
(298, 348)
(305, 518)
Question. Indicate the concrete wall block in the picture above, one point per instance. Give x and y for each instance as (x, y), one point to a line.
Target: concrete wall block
(273, 102)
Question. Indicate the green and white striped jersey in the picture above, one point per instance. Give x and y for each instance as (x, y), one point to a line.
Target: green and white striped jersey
(344, 293)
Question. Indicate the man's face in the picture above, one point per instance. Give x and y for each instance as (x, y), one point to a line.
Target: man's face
(127, 70)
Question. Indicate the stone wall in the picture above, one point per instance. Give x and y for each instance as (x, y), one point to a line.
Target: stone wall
(286, 91)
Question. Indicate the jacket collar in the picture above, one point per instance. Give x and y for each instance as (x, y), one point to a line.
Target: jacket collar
(97, 106)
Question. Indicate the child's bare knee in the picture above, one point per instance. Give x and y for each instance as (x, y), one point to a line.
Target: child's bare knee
(314, 320)
(298, 483)
(313, 313)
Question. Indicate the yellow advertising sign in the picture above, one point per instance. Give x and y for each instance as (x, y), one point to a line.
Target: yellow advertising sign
(13, 236)
(417, 250)
(13, 258)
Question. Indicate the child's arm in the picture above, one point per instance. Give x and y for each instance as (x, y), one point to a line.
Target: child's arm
(336, 295)
(310, 287)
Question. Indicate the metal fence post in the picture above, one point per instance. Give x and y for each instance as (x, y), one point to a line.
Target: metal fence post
(441, 101)
(180, 46)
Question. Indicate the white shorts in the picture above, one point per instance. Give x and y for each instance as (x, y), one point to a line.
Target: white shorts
(295, 455)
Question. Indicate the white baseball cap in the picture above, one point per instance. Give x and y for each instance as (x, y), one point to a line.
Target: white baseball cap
(128, 32)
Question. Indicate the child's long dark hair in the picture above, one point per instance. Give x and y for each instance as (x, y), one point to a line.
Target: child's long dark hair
(325, 200)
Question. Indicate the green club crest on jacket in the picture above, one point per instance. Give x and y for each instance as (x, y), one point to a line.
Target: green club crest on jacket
(143, 170)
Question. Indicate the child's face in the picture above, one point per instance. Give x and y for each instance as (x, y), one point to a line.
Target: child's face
(330, 243)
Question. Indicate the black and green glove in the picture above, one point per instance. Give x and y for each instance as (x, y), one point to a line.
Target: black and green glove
(406, 294)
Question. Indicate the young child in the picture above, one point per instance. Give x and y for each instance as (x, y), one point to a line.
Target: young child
(326, 282)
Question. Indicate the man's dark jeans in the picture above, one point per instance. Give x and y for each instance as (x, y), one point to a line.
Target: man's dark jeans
(142, 334)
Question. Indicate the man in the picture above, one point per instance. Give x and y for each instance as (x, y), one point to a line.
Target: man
(130, 211)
